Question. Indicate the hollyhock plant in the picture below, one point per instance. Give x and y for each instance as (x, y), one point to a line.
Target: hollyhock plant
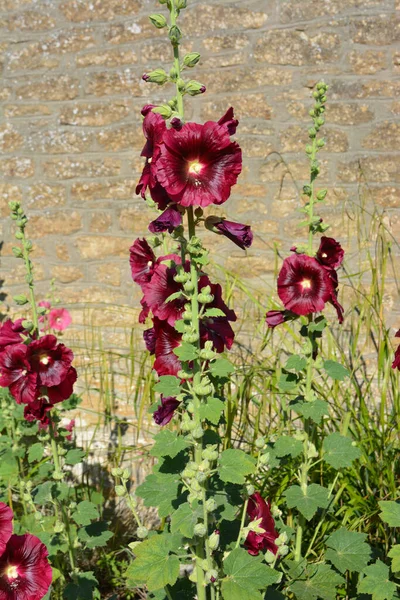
(257, 542)
(166, 410)
(6, 526)
(239, 234)
(25, 572)
(199, 164)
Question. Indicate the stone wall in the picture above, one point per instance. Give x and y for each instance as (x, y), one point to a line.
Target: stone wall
(70, 133)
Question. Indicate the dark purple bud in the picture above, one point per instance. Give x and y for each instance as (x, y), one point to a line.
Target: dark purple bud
(147, 107)
(239, 234)
(145, 77)
(293, 249)
(275, 317)
(169, 220)
(176, 123)
(165, 412)
(212, 579)
(203, 89)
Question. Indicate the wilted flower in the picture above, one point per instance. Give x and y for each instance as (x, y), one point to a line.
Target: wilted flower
(255, 542)
(166, 410)
(277, 317)
(149, 336)
(239, 234)
(25, 572)
(169, 220)
(199, 164)
(228, 120)
(330, 253)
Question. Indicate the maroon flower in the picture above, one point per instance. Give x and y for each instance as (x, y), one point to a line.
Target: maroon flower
(153, 128)
(277, 317)
(50, 360)
(199, 164)
(229, 121)
(25, 570)
(149, 336)
(167, 339)
(38, 410)
(158, 290)
(396, 361)
(62, 391)
(16, 373)
(255, 542)
(166, 410)
(167, 221)
(330, 253)
(6, 527)
(217, 329)
(144, 313)
(239, 234)
(304, 285)
(142, 260)
(10, 333)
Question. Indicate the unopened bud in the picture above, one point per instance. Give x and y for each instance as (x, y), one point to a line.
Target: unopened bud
(269, 557)
(198, 433)
(14, 205)
(211, 505)
(180, 4)
(250, 489)
(211, 576)
(191, 59)
(176, 123)
(28, 325)
(158, 21)
(17, 252)
(142, 532)
(194, 88)
(158, 76)
(164, 110)
(264, 459)
(321, 194)
(200, 530)
(120, 490)
(283, 550)
(312, 132)
(58, 527)
(260, 443)
(175, 35)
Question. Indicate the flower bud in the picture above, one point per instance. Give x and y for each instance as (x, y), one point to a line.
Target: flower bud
(250, 489)
(276, 512)
(323, 98)
(203, 390)
(198, 433)
(180, 4)
(58, 475)
(19, 235)
(175, 35)
(309, 149)
(116, 471)
(188, 473)
(28, 325)
(17, 252)
(321, 194)
(196, 487)
(120, 490)
(190, 337)
(191, 59)
(282, 539)
(320, 121)
(58, 527)
(200, 530)
(184, 374)
(211, 576)
(269, 557)
(321, 143)
(211, 505)
(315, 94)
(312, 132)
(158, 76)
(205, 298)
(142, 532)
(283, 550)
(176, 123)
(158, 21)
(264, 459)
(307, 190)
(201, 477)
(14, 205)
(213, 540)
(188, 286)
(194, 88)
(125, 474)
(204, 465)
(260, 443)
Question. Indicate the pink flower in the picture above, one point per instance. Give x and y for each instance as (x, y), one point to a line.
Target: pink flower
(330, 253)
(199, 164)
(255, 542)
(25, 570)
(166, 410)
(6, 526)
(70, 427)
(59, 319)
(304, 285)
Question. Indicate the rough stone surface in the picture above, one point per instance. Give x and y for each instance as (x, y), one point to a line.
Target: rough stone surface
(70, 127)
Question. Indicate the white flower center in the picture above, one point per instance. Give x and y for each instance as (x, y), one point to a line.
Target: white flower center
(195, 167)
(44, 359)
(11, 572)
(306, 284)
(324, 255)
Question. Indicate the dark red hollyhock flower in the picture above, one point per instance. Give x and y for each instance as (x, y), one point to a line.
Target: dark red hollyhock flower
(333, 299)
(229, 121)
(149, 336)
(199, 164)
(144, 313)
(52, 361)
(167, 339)
(25, 572)
(6, 526)
(38, 410)
(396, 362)
(217, 329)
(169, 220)
(16, 373)
(158, 290)
(255, 542)
(165, 412)
(142, 260)
(277, 317)
(330, 253)
(10, 333)
(239, 234)
(304, 285)
(62, 391)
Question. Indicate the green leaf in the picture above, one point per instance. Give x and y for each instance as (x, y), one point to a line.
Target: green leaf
(287, 445)
(179, 326)
(168, 385)
(186, 352)
(339, 451)
(308, 502)
(318, 581)
(153, 565)
(212, 410)
(75, 456)
(395, 556)
(296, 363)
(336, 370)
(214, 312)
(168, 443)
(221, 367)
(348, 550)
(312, 410)
(288, 382)
(174, 296)
(235, 465)
(95, 535)
(245, 575)
(36, 452)
(82, 587)
(318, 325)
(8, 467)
(85, 513)
(185, 518)
(376, 582)
(390, 512)
(159, 489)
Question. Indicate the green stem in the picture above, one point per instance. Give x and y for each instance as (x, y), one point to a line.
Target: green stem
(242, 523)
(29, 273)
(177, 63)
(303, 484)
(312, 200)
